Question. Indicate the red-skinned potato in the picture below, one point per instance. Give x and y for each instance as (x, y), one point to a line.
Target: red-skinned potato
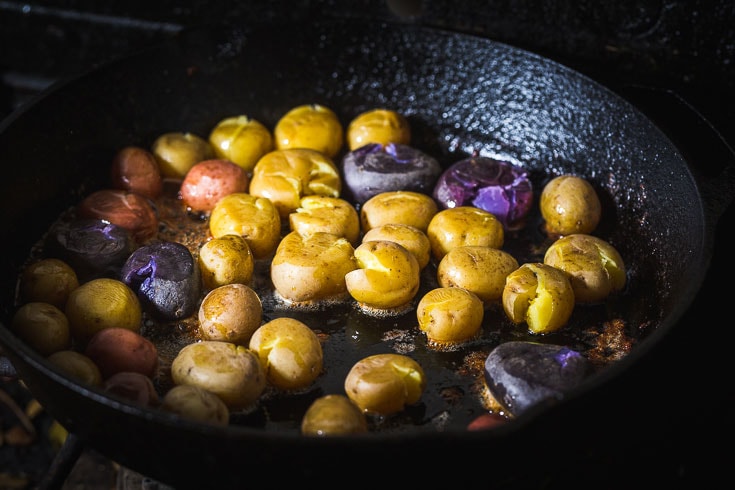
(116, 350)
(136, 170)
(210, 180)
(136, 387)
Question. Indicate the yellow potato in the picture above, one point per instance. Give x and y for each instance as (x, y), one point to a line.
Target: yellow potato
(177, 152)
(230, 313)
(378, 126)
(328, 214)
(540, 296)
(333, 415)
(42, 326)
(241, 140)
(226, 260)
(449, 315)
(195, 403)
(307, 268)
(49, 281)
(387, 277)
(290, 352)
(594, 266)
(409, 236)
(77, 366)
(404, 207)
(479, 269)
(464, 225)
(569, 204)
(310, 126)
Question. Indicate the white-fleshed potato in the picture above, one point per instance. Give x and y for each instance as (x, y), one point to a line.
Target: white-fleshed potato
(230, 313)
(404, 207)
(450, 316)
(479, 269)
(409, 236)
(540, 296)
(290, 352)
(464, 225)
(387, 277)
(232, 372)
(226, 260)
(594, 266)
(385, 384)
(309, 268)
(569, 204)
(328, 214)
(195, 403)
(254, 218)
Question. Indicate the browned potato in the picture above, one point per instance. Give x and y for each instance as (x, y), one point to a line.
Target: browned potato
(540, 296)
(479, 269)
(333, 415)
(42, 326)
(594, 266)
(177, 152)
(464, 225)
(226, 260)
(290, 352)
(230, 313)
(311, 126)
(328, 214)
(404, 207)
(77, 366)
(450, 316)
(242, 140)
(409, 236)
(48, 281)
(569, 204)
(378, 126)
(309, 268)
(385, 384)
(195, 403)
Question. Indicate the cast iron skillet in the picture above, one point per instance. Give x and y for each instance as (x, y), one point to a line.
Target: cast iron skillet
(462, 94)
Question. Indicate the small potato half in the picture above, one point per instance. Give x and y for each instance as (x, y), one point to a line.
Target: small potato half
(479, 269)
(450, 315)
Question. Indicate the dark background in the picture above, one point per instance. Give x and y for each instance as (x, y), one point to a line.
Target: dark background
(682, 48)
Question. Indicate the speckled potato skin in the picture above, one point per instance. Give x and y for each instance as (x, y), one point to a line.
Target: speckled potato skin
(385, 384)
(230, 313)
(413, 239)
(226, 260)
(48, 280)
(195, 403)
(378, 126)
(387, 277)
(42, 326)
(540, 296)
(449, 315)
(312, 126)
(242, 140)
(285, 176)
(461, 226)
(177, 152)
(479, 269)
(327, 214)
(333, 415)
(256, 219)
(595, 268)
(290, 353)
(232, 372)
(309, 268)
(210, 180)
(569, 204)
(404, 207)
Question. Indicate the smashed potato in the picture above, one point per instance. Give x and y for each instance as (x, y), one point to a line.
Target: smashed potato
(328, 214)
(404, 207)
(463, 225)
(481, 270)
(449, 315)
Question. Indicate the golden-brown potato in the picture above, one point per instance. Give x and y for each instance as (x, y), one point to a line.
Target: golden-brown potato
(232, 372)
(77, 366)
(287, 175)
(569, 204)
(595, 268)
(463, 225)
(226, 260)
(378, 126)
(290, 352)
(312, 126)
(385, 383)
(387, 277)
(48, 280)
(333, 415)
(309, 268)
(540, 296)
(328, 214)
(450, 316)
(404, 207)
(256, 219)
(409, 236)
(242, 140)
(195, 403)
(177, 152)
(479, 269)
(42, 326)
(230, 313)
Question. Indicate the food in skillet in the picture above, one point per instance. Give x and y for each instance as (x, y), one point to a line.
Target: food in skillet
(398, 207)
(208, 181)
(49, 280)
(231, 313)
(128, 210)
(450, 316)
(480, 269)
(195, 403)
(177, 152)
(333, 415)
(413, 239)
(136, 169)
(241, 140)
(463, 226)
(225, 260)
(43, 326)
(327, 214)
(569, 204)
(382, 126)
(311, 126)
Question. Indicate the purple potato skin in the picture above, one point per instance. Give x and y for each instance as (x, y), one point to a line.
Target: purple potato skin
(376, 168)
(166, 278)
(496, 186)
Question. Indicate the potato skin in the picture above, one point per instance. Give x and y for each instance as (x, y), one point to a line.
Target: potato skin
(176, 152)
(195, 403)
(48, 280)
(116, 350)
(450, 315)
(312, 126)
(479, 269)
(226, 260)
(463, 225)
(413, 239)
(333, 415)
(78, 366)
(404, 207)
(135, 169)
(242, 140)
(230, 313)
(256, 219)
(210, 180)
(378, 126)
(569, 204)
(328, 214)
(42, 326)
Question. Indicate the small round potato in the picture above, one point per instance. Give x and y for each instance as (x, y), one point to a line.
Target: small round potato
(49, 281)
(116, 350)
(290, 352)
(409, 236)
(569, 204)
(226, 260)
(208, 181)
(311, 126)
(77, 365)
(242, 140)
(385, 384)
(256, 219)
(135, 387)
(232, 372)
(378, 126)
(594, 266)
(481, 270)
(450, 316)
(177, 152)
(230, 313)
(464, 225)
(333, 415)
(404, 207)
(540, 296)
(387, 277)
(328, 214)
(195, 403)
(309, 268)
(42, 326)
(135, 169)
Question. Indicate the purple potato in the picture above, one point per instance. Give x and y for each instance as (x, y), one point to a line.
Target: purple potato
(496, 186)
(166, 278)
(376, 168)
